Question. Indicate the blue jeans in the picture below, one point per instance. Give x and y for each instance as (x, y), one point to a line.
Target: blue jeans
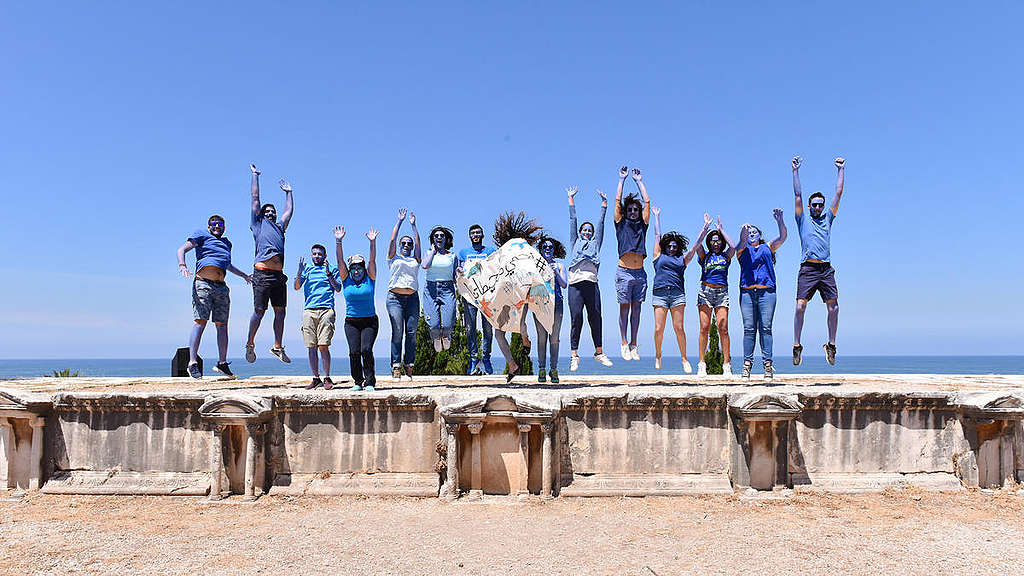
(546, 341)
(439, 308)
(469, 314)
(404, 310)
(758, 308)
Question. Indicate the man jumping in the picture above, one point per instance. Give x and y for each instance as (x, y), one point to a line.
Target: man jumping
(816, 272)
(479, 356)
(269, 283)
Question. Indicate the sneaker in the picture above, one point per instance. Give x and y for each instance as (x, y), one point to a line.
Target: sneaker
(356, 388)
(634, 352)
(250, 353)
(657, 363)
(726, 369)
(488, 369)
(474, 367)
(194, 371)
(625, 353)
(542, 376)
(446, 343)
(370, 388)
(747, 366)
(408, 372)
(328, 383)
(224, 369)
(686, 366)
(798, 351)
(437, 344)
(830, 353)
(574, 363)
(554, 376)
(396, 372)
(316, 383)
(603, 359)
(769, 371)
(702, 369)
(279, 352)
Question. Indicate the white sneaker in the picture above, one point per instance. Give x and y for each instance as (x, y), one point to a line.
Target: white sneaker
(634, 352)
(574, 363)
(726, 369)
(686, 366)
(603, 359)
(625, 353)
(446, 343)
(657, 363)
(437, 344)
(702, 369)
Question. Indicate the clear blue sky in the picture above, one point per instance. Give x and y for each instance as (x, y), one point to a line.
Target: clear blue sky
(125, 125)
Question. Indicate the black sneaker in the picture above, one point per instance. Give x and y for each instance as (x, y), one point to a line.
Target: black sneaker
(554, 376)
(224, 369)
(194, 371)
(316, 383)
(542, 376)
(798, 352)
(769, 371)
(830, 353)
(747, 366)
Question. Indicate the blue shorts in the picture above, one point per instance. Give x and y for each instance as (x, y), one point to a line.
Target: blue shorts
(630, 285)
(668, 297)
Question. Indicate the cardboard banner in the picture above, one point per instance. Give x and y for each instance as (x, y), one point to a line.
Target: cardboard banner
(507, 282)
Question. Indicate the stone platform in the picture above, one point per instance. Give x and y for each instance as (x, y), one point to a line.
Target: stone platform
(465, 436)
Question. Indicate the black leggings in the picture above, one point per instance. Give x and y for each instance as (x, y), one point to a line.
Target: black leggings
(361, 334)
(584, 294)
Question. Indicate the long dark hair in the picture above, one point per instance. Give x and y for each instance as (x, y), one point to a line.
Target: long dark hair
(559, 251)
(628, 199)
(683, 242)
(515, 225)
(707, 241)
(448, 236)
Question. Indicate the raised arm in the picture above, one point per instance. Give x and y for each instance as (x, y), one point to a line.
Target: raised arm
(700, 239)
(371, 264)
(289, 205)
(255, 189)
(775, 244)
(339, 252)
(415, 238)
(797, 192)
(573, 226)
(182, 266)
(742, 244)
(394, 233)
(623, 172)
(841, 166)
(599, 232)
(638, 178)
(298, 274)
(657, 232)
(730, 245)
(430, 258)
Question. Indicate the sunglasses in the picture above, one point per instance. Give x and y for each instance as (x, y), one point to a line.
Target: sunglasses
(406, 243)
(818, 205)
(216, 224)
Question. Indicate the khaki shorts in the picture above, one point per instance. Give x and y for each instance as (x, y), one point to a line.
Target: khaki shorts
(317, 326)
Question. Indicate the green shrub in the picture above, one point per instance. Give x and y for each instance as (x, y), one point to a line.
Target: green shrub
(713, 358)
(65, 373)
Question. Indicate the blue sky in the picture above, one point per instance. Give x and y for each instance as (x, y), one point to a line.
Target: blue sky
(127, 124)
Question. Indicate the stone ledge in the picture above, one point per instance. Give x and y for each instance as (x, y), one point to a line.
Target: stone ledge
(875, 482)
(112, 482)
(647, 485)
(419, 484)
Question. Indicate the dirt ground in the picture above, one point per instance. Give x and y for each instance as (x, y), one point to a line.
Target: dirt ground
(907, 532)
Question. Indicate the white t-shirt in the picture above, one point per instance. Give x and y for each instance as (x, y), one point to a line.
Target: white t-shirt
(585, 271)
(404, 272)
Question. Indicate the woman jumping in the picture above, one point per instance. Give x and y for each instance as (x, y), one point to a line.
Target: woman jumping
(632, 220)
(551, 249)
(585, 242)
(757, 292)
(439, 300)
(403, 303)
(713, 298)
(669, 294)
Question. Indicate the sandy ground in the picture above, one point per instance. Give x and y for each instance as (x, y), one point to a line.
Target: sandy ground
(906, 532)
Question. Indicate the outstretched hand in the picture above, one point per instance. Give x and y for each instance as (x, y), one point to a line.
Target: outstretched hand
(623, 172)
(777, 214)
(637, 176)
(302, 264)
(655, 210)
(339, 233)
(572, 190)
(252, 167)
(247, 278)
(402, 212)
(412, 218)
(719, 225)
(604, 197)
(707, 221)
(284, 185)
(184, 271)
(840, 162)
(797, 161)
(371, 234)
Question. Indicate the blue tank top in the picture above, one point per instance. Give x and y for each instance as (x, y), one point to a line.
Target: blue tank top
(359, 298)
(631, 236)
(668, 272)
(757, 266)
(715, 269)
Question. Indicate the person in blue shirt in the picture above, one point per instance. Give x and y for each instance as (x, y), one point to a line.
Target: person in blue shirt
(816, 272)
(551, 249)
(269, 283)
(669, 293)
(479, 356)
(757, 292)
(358, 277)
(713, 299)
(632, 219)
(210, 294)
(319, 282)
(439, 301)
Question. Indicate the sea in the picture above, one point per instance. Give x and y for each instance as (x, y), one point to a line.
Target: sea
(156, 367)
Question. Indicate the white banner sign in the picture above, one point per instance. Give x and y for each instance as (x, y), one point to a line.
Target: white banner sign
(507, 282)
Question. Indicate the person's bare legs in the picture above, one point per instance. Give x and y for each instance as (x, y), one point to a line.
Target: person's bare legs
(833, 319)
(325, 359)
(624, 321)
(798, 320)
(314, 361)
(705, 331)
(222, 341)
(254, 325)
(193, 340)
(677, 326)
(279, 312)
(660, 316)
(722, 323)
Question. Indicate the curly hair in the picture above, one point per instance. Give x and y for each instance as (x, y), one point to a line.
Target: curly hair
(559, 247)
(683, 241)
(515, 225)
(707, 241)
(449, 238)
(628, 199)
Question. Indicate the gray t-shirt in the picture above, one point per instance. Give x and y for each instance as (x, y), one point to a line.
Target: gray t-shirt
(269, 237)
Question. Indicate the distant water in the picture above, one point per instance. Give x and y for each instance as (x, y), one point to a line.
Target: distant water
(300, 367)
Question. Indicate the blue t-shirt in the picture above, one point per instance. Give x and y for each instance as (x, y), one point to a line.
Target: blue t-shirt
(715, 269)
(210, 250)
(668, 272)
(468, 254)
(631, 236)
(814, 235)
(269, 237)
(316, 286)
(359, 298)
(757, 266)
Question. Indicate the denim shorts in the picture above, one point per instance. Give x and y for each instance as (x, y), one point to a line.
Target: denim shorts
(668, 297)
(630, 285)
(210, 298)
(713, 297)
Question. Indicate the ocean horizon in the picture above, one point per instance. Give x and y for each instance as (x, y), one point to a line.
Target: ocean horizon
(845, 364)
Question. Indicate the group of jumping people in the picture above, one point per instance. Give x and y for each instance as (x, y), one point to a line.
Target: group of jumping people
(356, 275)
